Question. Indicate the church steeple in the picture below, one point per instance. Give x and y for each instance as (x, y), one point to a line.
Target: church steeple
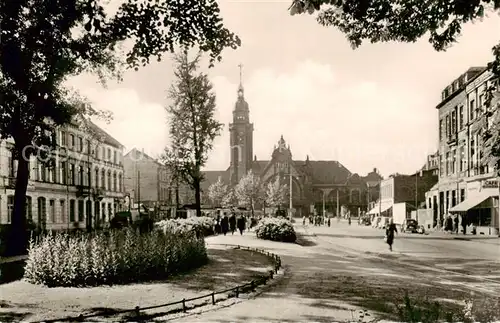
(241, 136)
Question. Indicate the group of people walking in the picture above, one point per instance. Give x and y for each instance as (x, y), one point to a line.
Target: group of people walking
(226, 224)
(316, 220)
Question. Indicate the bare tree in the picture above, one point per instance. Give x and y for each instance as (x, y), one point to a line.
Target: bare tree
(193, 126)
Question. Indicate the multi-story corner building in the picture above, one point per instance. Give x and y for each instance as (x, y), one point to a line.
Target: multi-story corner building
(81, 187)
(151, 184)
(467, 186)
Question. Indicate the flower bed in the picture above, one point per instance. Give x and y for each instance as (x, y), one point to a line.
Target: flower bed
(276, 229)
(202, 226)
(118, 256)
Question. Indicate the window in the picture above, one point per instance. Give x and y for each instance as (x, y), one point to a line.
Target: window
(71, 210)
(63, 139)
(71, 141)
(453, 198)
(462, 159)
(103, 156)
(119, 182)
(481, 102)
(81, 209)
(448, 163)
(81, 176)
(115, 157)
(10, 207)
(454, 123)
(52, 210)
(42, 211)
(71, 177)
(12, 167)
(453, 161)
(29, 210)
(472, 153)
(89, 148)
(461, 117)
(63, 170)
(62, 205)
(109, 154)
(109, 181)
(472, 109)
(103, 179)
(114, 182)
(448, 127)
(97, 177)
(440, 129)
(43, 172)
(80, 144)
(462, 194)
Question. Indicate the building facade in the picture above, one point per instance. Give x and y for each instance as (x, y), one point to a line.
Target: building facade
(81, 187)
(320, 186)
(432, 163)
(400, 194)
(149, 182)
(467, 185)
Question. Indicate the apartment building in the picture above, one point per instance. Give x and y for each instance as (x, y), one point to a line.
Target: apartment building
(81, 187)
(467, 186)
(432, 163)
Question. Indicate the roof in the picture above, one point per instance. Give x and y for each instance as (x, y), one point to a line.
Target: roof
(326, 171)
(135, 152)
(106, 137)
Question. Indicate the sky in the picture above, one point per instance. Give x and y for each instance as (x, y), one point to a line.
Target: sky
(370, 107)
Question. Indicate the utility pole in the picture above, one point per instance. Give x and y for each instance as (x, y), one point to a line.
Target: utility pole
(338, 206)
(291, 203)
(380, 199)
(416, 196)
(139, 192)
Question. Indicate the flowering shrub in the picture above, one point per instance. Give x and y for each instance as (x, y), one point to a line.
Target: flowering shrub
(117, 256)
(202, 226)
(276, 229)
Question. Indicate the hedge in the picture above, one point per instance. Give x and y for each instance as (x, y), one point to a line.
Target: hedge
(276, 229)
(114, 257)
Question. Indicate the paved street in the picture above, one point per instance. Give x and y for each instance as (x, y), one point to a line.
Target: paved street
(348, 268)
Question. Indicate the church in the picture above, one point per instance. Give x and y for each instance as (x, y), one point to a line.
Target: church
(324, 186)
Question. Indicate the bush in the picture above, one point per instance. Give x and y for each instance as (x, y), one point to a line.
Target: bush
(114, 257)
(276, 230)
(201, 226)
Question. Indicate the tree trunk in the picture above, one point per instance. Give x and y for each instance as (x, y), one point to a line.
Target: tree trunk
(252, 207)
(197, 196)
(18, 239)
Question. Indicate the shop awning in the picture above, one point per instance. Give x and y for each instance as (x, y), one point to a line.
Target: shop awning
(471, 202)
(378, 209)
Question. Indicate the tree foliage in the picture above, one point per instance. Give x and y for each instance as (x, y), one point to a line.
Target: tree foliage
(276, 193)
(43, 42)
(249, 190)
(218, 193)
(193, 126)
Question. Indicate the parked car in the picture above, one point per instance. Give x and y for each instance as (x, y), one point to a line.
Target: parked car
(409, 225)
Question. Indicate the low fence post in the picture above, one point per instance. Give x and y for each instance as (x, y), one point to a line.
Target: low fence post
(271, 274)
(184, 305)
(252, 284)
(213, 298)
(237, 291)
(137, 311)
(80, 317)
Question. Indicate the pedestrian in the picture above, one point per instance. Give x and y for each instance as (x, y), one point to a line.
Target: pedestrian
(389, 233)
(241, 223)
(224, 224)
(464, 225)
(349, 219)
(456, 227)
(232, 223)
(329, 222)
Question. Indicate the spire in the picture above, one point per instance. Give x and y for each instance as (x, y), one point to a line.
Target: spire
(240, 87)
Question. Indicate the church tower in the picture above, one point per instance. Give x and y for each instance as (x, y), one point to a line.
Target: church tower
(241, 137)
